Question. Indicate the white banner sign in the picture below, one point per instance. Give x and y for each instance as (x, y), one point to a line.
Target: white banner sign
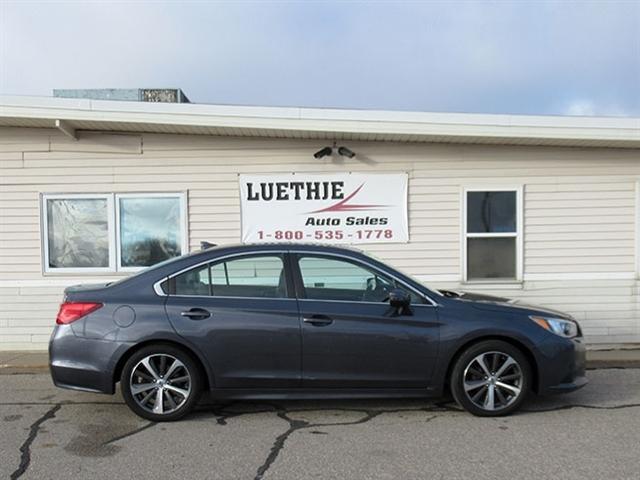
(331, 208)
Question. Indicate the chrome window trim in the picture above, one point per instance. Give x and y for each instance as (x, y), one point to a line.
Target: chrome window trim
(158, 289)
(231, 298)
(359, 301)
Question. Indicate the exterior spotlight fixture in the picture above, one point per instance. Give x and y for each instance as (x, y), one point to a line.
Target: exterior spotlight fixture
(345, 152)
(342, 151)
(323, 153)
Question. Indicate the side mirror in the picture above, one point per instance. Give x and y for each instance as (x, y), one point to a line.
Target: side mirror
(399, 299)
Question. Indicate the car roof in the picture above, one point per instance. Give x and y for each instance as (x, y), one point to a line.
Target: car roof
(284, 246)
(196, 256)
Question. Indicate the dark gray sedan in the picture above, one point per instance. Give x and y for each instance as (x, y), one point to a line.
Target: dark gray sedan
(302, 321)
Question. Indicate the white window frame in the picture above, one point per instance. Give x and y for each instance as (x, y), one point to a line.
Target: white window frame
(518, 234)
(113, 222)
(45, 231)
(184, 248)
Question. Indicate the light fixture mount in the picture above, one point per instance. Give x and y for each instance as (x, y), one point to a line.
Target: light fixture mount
(342, 151)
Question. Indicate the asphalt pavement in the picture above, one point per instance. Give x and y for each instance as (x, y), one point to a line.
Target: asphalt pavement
(590, 434)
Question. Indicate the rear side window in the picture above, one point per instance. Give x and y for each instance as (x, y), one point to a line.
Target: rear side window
(260, 276)
(256, 276)
(194, 282)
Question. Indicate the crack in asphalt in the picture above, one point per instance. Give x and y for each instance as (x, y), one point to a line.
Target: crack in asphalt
(577, 405)
(25, 448)
(278, 444)
(295, 425)
(222, 413)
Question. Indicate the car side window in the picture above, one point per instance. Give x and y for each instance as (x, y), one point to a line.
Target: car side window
(335, 279)
(254, 276)
(193, 282)
(261, 276)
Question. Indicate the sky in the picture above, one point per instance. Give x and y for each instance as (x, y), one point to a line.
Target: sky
(516, 57)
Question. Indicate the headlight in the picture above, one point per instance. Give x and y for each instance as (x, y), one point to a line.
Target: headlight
(559, 326)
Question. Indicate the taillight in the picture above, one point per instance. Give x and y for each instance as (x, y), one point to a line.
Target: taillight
(72, 311)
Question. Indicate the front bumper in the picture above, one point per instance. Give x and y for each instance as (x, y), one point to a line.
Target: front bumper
(83, 364)
(577, 383)
(561, 365)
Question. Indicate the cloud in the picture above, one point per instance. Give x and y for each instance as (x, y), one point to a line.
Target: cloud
(581, 108)
(585, 107)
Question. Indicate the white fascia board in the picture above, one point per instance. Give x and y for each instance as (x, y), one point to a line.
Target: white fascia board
(326, 120)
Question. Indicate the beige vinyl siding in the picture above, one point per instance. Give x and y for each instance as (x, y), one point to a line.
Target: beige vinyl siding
(579, 212)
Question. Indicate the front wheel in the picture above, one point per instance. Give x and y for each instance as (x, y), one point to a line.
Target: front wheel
(161, 383)
(491, 378)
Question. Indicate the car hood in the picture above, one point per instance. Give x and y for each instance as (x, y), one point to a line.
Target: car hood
(491, 302)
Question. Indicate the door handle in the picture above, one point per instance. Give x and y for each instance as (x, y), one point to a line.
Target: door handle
(318, 320)
(196, 313)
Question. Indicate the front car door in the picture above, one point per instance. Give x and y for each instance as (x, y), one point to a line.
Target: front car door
(351, 336)
(241, 312)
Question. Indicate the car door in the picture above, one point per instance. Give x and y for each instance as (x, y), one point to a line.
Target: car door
(241, 312)
(351, 336)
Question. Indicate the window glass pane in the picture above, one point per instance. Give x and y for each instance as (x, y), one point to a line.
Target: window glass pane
(78, 233)
(193, 282)
(491, 212)
(150, 230)
(491, 257)
(257, 276)
(330, 279)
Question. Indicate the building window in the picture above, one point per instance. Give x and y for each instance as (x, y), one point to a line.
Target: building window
(78, 231)
(111, 232)
(149, 229)
(492, 234)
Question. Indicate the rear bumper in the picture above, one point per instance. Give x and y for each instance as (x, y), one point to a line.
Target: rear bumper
(83, 364)
(561, 366)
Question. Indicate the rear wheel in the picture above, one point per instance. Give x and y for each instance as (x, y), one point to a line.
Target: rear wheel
(491, 378)
(161, 383)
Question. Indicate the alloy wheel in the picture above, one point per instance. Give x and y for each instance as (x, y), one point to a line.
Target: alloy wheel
(160, 384)
(493, 380)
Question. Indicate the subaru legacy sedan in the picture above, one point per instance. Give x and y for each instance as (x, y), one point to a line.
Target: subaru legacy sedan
(305, 321)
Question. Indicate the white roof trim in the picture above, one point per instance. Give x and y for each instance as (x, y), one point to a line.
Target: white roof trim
(323, 123)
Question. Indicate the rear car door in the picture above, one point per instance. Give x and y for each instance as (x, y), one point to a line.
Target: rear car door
(351, 336)
(242, 314)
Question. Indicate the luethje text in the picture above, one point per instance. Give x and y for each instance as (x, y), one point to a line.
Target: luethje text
(269, 191)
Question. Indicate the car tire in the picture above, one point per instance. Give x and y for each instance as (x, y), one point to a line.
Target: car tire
(491, 378)
(161, 383)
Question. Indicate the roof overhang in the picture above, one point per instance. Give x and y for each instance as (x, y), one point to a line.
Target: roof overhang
(314, 123)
